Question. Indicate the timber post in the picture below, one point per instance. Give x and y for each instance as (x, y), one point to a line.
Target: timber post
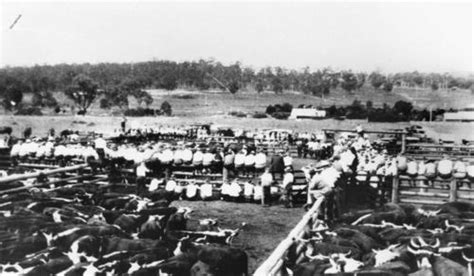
(395, 189)
(453, 190)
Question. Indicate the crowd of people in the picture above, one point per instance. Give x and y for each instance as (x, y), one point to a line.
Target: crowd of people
(346, 160)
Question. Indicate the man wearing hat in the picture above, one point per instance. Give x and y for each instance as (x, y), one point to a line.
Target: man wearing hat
(322, 185)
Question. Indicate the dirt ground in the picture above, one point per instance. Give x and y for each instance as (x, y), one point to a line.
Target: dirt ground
(265, 227)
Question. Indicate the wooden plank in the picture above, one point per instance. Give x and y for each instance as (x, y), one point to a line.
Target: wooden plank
(11, 178)
(273, 262)
(422, 201)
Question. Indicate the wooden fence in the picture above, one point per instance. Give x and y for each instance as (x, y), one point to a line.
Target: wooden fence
(273, 265)
(77, 174)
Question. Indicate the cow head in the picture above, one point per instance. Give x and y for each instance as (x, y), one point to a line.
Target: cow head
(340, 262)
(385, 255)
(453, 227)
(186, 211)
(423, 251)
(208, 222)
(428, 213)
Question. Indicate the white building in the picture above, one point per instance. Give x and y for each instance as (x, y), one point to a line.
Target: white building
(463, 115)
(307, 113)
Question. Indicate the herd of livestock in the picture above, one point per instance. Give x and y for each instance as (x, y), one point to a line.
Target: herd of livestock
(392, 240)
(79, 231)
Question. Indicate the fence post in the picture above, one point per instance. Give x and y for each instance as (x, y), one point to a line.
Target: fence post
(404, 142)
(395, 188)
(453, 190)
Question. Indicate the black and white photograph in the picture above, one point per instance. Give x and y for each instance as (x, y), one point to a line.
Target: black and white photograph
(235, 138)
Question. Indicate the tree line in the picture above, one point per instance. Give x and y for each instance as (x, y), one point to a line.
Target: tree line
(112, 83)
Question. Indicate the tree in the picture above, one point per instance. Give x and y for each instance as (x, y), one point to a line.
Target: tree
(403, 107)
(83, 91)
(259, 86)
(233, 87)
(377, 80)
(388, 86)
(277, 85)
(166, 108)
(434, 86)
(349, 81)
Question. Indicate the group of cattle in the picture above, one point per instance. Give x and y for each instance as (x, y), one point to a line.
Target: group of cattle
(82, 231)
(392, 240)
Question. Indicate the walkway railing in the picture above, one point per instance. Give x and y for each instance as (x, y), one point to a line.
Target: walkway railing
(273, 265)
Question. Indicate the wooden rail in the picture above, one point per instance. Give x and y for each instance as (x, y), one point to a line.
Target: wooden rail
(273, 264)
(24, 176)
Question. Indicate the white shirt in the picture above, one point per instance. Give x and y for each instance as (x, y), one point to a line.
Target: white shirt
(206, 190)
(166, 156)
(170, 185)
(187, 155)
(142, 170)
(191, 190)
(288, 178)
(154, 184)
(249, 160)
(287, 160)
(239, 159)
(445, 166)
(266, 179)
(260, 160)
(100, 143)
(248, 189)
(15, 150)
(207, 158)
(197, 157)
(235, 189)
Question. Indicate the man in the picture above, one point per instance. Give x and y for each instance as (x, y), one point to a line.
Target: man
(288, 160)
(197, 161)
(322, 185)
(166, 159)
(228, 165)
(100, 144)
(207, 159)
(288, 180)
(141, 171)
(250, 164)
(260, 161)
(266, 181)
(277, 165)
(445, 167)
(239, 162)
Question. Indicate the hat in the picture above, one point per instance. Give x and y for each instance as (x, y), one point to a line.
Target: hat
(322, 164)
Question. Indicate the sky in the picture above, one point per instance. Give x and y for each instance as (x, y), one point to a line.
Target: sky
(362, 36)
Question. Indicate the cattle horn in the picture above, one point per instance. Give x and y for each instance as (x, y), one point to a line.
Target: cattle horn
(347, 254)
(412, 251)
(469, 260)
(437, 244)
(393, 246)
(414, 244)
(317, 257)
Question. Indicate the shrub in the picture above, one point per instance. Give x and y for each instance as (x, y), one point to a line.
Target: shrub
(281, 115)
(270, 109)
(238, 114)
(184, 96)
(166, 108)
(30, 110)
(286, 107)
(259, 115)
(139, 112)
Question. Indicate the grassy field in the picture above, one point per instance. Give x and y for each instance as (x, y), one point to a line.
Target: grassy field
(266, 226)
